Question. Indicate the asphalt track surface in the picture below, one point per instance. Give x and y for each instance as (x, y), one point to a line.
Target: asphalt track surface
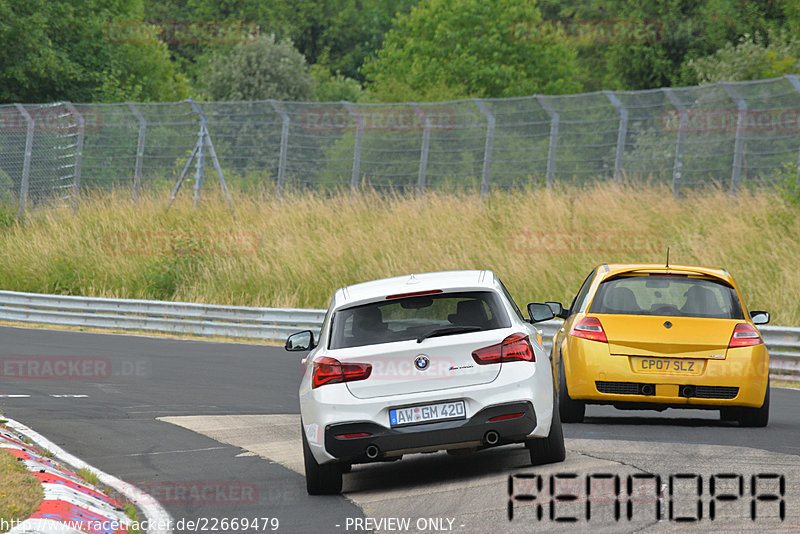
(108, 416)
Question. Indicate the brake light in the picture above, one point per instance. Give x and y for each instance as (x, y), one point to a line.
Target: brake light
(745, 335)
(415, 294)
(514, 348)
(332, 371)
(589, 328)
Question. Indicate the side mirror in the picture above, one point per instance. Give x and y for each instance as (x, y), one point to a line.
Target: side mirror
(759, 317)
(300, 341)
(558, 309)
(539, 312)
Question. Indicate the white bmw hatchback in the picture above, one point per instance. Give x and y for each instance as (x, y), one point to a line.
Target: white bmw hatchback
(422, 363)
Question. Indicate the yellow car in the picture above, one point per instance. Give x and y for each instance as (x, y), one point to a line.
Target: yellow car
(644, 336)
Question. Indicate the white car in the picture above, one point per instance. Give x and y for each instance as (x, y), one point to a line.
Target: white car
(422, 363)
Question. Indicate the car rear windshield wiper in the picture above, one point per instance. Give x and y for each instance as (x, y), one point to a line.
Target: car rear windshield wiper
(447, 330)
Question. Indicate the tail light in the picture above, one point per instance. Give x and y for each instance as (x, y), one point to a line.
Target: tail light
(745, 335)
(589, 328)
(332, 371)
(514, 348)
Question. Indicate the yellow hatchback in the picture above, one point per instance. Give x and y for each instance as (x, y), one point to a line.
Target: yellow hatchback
(643, 336)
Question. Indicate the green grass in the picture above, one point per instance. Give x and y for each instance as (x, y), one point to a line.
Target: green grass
(88, 475)
(20, 491)
(296, 252)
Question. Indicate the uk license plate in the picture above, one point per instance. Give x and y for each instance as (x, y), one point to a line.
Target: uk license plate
(443, 411)
(680, 366)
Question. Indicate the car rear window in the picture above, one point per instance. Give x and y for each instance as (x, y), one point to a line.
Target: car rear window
(671, 295)
(408, 318)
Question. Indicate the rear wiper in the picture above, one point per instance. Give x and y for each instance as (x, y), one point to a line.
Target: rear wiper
(447, 330)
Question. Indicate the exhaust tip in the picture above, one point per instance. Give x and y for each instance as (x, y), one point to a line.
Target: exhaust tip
(687, 391)
(372, 452)
(648, 389)
(491, 438)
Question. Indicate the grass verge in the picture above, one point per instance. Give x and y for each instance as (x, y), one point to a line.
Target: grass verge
(20, 491)
(296, 252)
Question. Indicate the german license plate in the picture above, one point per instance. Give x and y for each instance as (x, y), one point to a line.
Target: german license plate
(443, 411)
(678, 366)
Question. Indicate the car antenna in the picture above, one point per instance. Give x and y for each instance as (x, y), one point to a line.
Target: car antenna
(667, 257)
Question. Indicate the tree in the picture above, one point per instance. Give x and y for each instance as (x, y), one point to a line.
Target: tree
(686, 31)
(754, 57)
(468, 48)
(66, 51)
(260, 70)
(339, 34)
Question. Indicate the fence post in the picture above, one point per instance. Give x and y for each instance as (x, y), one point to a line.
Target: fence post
(26, 162)
(76, 184)
(284, 144)
(200, 162)
(137, 173)
(357, 148)
(488, 148)
(795, 81)
(677, 166)
(553, 144)
(738, 144)
(424, 149)
(622, 133)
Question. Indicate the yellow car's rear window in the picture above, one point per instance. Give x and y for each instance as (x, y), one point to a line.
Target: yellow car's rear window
(670, 295)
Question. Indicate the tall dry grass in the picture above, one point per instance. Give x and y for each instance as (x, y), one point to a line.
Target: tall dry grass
(296, 252)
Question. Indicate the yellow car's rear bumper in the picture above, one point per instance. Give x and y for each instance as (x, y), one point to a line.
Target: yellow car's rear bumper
(589, 363)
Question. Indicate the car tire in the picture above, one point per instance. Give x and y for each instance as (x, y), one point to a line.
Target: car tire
(551, 449)
(756, 417)
(325, 479)
(571, 411)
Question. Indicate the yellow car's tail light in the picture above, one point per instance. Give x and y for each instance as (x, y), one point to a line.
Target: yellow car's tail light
(589, 328)
(745, 335)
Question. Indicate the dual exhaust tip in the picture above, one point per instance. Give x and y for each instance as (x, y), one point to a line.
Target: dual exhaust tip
(683, 391)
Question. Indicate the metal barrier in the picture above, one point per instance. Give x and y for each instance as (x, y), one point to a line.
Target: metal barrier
(272, 324)
(157, 316)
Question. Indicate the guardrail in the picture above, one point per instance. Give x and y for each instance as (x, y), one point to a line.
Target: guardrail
(272, 324)
(157, 316)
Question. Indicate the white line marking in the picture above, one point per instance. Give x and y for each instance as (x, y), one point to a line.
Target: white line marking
(175, 452)
(157, 516)
(69, 396)
(15, 396)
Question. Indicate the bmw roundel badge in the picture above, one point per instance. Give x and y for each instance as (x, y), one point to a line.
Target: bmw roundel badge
(422, 362)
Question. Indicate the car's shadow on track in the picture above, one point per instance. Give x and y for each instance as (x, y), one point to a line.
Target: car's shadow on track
(657, 421)
(424, 470)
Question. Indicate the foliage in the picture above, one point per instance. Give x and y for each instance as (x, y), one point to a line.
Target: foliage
(64, 51)
(338, 35)
(334, 87)
(687, 30)
(468, 48)
(261, 70)
(754, 57)
(790, 183)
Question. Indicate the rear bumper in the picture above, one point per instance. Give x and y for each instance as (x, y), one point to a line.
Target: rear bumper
(392, 442)
(597, 377)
